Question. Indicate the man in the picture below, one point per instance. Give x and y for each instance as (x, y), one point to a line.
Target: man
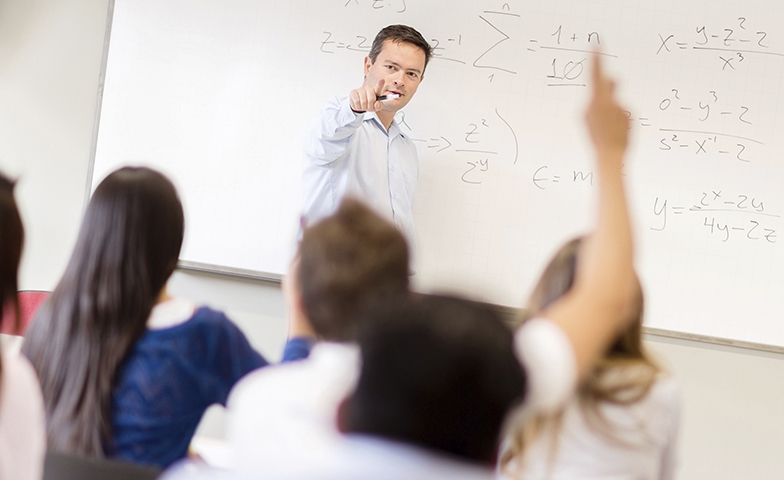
(345, 263)
(356, 147)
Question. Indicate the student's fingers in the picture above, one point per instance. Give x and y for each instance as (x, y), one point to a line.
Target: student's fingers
(596, 72)
(607, 121)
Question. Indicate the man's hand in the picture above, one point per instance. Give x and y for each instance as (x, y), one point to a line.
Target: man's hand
(363, 99)
(607, 122)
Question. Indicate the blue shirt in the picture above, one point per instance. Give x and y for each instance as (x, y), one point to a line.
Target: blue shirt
(352, 153)
(170, 378)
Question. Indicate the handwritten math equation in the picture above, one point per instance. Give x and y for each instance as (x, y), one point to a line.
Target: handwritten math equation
(733, 44)
(477, 145)
(399, 6)
(566, 50)
(545, 177)
(724, 216)
(717, 128)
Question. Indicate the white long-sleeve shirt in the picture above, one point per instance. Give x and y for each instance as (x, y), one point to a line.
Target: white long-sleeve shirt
(353, 154)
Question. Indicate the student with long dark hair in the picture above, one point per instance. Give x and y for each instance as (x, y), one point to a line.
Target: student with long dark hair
(22, 438)
(126, 370)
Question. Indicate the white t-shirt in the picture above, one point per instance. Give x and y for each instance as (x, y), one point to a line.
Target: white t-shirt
(647, 431)
(22, 428)
(547, 355)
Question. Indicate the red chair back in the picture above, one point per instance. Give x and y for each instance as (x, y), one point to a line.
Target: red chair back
(29, 301)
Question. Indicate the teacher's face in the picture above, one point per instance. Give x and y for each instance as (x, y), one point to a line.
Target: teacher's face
(401, 66)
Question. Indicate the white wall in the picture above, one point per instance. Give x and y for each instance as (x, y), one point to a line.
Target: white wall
(50, 58)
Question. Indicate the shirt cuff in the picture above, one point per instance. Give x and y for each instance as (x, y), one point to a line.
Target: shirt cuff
(297, 348)
(349, 116)
(548, 358)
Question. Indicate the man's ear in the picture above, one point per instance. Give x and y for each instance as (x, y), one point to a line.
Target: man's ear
(368, 64)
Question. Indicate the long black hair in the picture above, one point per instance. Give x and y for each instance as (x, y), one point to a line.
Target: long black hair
(11, 240)
(127, 248)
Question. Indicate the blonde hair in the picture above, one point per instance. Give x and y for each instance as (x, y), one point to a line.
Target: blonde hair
(623, 376)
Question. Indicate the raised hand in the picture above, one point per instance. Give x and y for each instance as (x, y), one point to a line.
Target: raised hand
(607, 121)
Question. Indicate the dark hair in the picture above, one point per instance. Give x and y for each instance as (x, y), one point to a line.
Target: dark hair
(439, 372)
(11, 240)
(127, 248)
(400, 34)
(348, 261)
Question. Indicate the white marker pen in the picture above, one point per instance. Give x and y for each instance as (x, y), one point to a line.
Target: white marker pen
(390, 96)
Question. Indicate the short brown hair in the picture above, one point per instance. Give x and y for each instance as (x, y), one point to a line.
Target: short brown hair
(348, 261)
(400, 34)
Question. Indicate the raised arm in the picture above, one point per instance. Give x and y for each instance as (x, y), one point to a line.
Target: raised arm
(593, 311)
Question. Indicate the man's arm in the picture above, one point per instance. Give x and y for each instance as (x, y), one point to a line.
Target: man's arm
(330, 134)
(592, 313)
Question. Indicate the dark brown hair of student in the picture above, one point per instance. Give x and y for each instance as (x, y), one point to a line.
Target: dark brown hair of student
(623, 376)
(126, 250)
(439, 372)
(400, 34)
(348, 261)
(11, 240)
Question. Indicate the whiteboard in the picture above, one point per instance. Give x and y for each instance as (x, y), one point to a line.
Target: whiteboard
(218, 94)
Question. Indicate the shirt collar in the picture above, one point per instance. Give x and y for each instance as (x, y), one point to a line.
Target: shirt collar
(394, 128)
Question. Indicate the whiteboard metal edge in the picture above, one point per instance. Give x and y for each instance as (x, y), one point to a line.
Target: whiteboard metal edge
(228, 271)
(714, 340)
(99, 103)
(513, 316)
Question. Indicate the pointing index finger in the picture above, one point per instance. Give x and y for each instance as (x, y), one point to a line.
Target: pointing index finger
(602, 86)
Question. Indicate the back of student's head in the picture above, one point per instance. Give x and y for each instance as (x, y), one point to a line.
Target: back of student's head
(438, 372)
(347, 262)
(556, 281)
(126, 250)
(11, 239)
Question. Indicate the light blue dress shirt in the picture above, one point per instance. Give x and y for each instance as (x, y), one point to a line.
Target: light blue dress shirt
(353, 154)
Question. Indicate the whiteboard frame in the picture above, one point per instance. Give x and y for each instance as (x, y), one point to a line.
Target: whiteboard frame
(240, 273)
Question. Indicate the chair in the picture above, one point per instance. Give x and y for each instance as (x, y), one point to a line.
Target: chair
(64, 466)
(29, 301)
